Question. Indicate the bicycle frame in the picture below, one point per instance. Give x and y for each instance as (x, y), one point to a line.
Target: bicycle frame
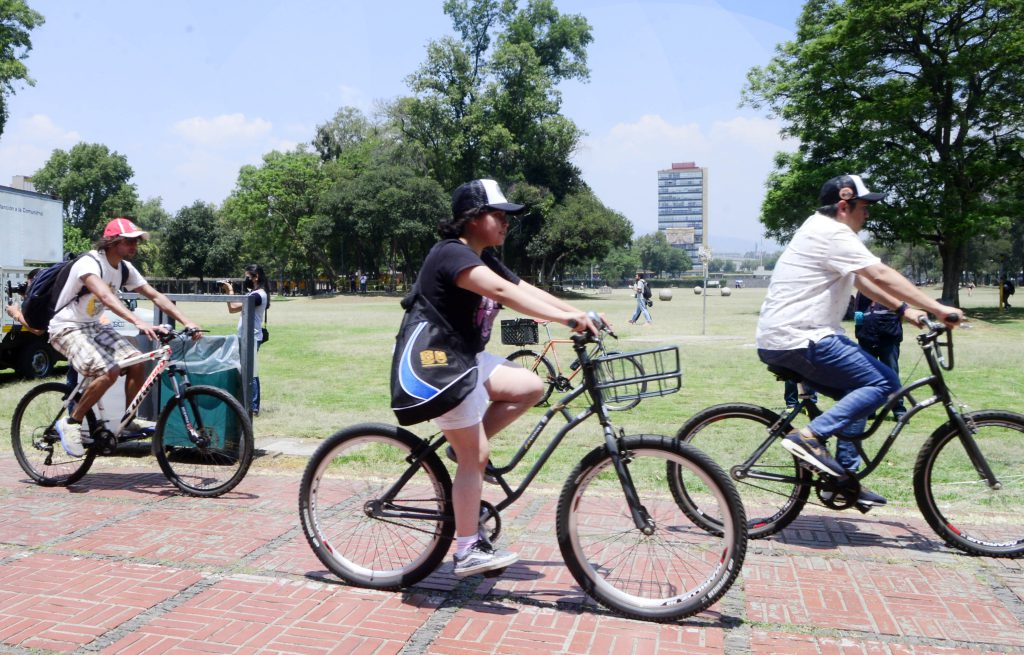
(639, 513)
(162, 356)
(940, 395)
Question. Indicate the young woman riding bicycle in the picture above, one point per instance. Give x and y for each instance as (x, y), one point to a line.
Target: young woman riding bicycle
(468, 285)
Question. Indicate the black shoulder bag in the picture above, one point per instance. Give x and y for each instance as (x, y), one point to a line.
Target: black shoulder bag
(432, 370)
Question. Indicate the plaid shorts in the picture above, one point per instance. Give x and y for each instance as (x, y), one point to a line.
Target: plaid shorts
(93, 349)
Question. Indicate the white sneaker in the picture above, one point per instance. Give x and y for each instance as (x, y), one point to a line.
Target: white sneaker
(70, 437)
(481, 560)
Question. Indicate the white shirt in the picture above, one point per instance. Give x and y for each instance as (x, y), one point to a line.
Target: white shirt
(257, 321)
(811, 285)
(88, 308)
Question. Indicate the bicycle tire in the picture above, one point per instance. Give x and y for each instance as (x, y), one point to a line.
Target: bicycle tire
(631, 391)
(957, 503)
(350, 471)
(729, 434)
(678, 570)
(538, 364)
(36, 443)
(207, 469)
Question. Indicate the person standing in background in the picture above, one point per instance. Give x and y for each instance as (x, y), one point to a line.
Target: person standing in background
(255, 285)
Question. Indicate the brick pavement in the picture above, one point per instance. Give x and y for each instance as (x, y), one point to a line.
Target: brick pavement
(121, 564)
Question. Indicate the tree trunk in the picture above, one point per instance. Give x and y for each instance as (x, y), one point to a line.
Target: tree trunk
(952, 254)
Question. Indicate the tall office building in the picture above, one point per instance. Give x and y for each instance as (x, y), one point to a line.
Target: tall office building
(683, 206)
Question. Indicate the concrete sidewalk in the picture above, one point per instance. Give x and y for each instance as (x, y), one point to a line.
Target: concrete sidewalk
(121, 564)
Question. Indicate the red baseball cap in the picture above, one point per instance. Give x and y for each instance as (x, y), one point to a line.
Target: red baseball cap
(123, 227)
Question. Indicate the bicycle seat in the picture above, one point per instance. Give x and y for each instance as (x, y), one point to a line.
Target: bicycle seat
(783, 373)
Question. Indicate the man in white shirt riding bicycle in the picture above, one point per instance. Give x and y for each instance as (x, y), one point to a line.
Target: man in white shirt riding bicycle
(799, 325)
(93, 349)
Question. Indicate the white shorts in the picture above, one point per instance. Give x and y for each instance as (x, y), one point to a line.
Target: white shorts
(471, 410)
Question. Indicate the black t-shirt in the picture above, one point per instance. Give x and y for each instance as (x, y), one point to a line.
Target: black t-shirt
(469, 314)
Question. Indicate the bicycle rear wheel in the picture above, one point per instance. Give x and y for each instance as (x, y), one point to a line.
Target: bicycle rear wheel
(36, 443)
(730, 434)
(957, 503)
(676, 570)
(204, 443)
(531, 361)
(360, 533)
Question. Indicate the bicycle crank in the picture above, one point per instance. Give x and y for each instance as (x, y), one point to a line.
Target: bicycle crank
(838, 494)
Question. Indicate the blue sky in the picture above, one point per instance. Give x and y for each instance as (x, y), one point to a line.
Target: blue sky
(189, 91)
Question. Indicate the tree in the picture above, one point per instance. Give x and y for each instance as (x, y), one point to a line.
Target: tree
(921, 97)
(195, 244)
(152, 217)
(490, 108)
(16, 21)
(620, 265)
(276, 207)
(349, 128)
(657, 256)
(92, 182)
(578, 230)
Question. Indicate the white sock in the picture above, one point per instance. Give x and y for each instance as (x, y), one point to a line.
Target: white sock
(464, 544)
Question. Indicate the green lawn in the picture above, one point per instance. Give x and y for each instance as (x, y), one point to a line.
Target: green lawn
(327, 366)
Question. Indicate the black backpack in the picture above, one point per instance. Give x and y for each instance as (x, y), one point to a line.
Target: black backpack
(40, 302)
(647, 290)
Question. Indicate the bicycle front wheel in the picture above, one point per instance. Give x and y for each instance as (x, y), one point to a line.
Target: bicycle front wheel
(670, 569)
(203, 442)
(538, 364)
(962, 507)
(730, 434)
(36, 443)
(366, 527)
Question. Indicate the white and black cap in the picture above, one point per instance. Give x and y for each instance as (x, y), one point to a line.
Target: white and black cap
(482, 193)
(846, 187)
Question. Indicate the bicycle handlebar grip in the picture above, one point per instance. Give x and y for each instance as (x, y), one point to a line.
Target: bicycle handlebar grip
(952, 318)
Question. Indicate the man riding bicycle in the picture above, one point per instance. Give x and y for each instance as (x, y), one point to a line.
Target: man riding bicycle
(799, 326)
(94, 349)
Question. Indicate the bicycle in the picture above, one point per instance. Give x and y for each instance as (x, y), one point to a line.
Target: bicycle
(967, 475)
(202, 440)
(523, 331)
(375, 503)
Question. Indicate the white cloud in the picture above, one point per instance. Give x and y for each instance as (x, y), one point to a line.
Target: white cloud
(621, 166)
(27, 144)
(222, 131)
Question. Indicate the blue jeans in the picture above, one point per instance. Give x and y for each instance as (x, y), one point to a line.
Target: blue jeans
(840, 369)
(889, 354)
(641, 307)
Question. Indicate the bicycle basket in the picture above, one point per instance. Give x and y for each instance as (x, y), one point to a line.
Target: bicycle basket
(643, 374)
(519, 332)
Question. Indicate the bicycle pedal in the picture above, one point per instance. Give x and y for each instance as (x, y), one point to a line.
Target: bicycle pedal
(494, 573)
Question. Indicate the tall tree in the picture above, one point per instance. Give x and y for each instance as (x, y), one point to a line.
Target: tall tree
(489, 107)
(580, 229)
(195, 244)
(92, 182)
(923, 97)
(276, 207)
(16, 21)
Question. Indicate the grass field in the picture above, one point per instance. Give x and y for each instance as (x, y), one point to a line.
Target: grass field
(327, 366)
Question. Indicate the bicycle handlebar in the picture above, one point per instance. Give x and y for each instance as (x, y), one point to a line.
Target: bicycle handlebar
(596, 319)
(935, 330)
(167, 334)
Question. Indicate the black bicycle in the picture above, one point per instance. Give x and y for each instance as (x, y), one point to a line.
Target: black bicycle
(376, 501)
(202, 439)
(968, 477)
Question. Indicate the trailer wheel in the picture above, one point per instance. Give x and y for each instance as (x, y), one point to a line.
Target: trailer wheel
(35, 361)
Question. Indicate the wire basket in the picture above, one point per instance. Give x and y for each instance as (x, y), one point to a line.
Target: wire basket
(643, 374)
(519, 332)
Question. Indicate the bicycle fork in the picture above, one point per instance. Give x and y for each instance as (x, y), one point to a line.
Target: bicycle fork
(966, 431)
(641, 517)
